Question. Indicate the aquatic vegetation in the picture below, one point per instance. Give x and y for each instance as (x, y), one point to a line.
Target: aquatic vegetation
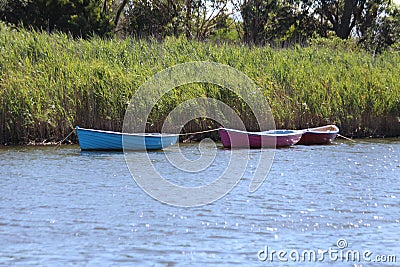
(50, 83)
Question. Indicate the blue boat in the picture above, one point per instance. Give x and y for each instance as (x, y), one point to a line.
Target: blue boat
(90, 139)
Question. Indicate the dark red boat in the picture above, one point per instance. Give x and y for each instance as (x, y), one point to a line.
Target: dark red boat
(269, 139)
(319, 135)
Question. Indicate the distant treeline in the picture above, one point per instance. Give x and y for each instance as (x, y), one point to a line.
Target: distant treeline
(374, 24)
(50, 83)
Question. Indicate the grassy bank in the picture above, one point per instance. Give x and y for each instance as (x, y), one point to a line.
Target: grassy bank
(50, 83)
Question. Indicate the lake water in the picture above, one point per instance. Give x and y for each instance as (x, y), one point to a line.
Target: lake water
(60, 206)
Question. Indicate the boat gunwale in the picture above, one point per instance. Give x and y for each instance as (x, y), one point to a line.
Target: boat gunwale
(266, 133)
(317, 131)
(151, 135)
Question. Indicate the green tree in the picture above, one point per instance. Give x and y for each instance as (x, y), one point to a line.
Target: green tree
(384, 32)
(206, 18)
(157, 18)
(266, 21)
(197, 19)
(347, 17)
(80, 18)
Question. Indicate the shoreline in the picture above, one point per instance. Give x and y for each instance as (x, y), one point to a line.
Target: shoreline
(75, 142)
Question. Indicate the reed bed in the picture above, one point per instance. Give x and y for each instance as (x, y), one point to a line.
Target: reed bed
(50, 83)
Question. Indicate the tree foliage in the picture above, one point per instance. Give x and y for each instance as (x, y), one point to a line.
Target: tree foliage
(265, 21)
(159, 18)
(384, 32)
(79, 18)
(346, 16)
(374, 24)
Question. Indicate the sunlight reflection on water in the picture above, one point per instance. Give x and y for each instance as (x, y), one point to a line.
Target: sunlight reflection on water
(60, 205)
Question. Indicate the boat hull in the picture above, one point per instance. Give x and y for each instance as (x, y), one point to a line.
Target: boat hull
(90, 139)
(240, 139)
(319, 136)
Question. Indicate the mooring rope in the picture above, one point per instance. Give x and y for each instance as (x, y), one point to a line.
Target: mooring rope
(344, 137)
(62, 141)
(201, 132)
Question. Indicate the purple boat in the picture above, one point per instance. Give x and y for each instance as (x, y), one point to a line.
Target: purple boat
(269, 139)
(319, 135)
